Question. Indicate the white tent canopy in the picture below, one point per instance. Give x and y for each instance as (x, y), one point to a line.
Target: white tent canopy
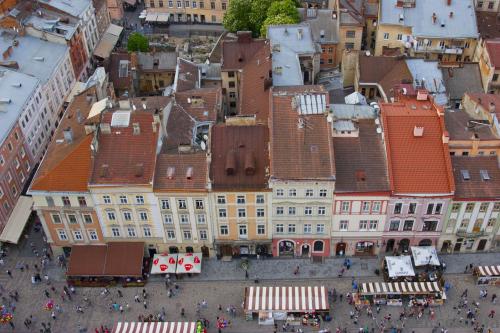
(399, 266)
(17, 221)
(189, 263)
(164, 263)
(424, 255)
(355, 98)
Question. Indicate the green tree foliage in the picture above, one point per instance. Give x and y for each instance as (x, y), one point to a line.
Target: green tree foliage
(276, 20)
(137, 42)
(284, 7)
(259, 14)
(237, 17)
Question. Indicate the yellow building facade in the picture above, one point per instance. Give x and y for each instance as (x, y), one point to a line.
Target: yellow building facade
(190, 10)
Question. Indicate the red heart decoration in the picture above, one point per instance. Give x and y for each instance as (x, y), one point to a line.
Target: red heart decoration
(156, 261)
(188, 267)
(171, 261)
(163, 267)
(196, 260)
(189, 254)
(180, 261)
(164, 254)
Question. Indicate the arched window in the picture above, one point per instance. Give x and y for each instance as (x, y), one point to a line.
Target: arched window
(318, 246)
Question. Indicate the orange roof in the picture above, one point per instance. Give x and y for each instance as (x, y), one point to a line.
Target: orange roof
(66, 165)
(417, 164)
(181, 172)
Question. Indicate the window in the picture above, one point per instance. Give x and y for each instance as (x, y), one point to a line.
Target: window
(9, 177)
(242, 212)
(184, 218)
(222, 212)
(186, 4)
(93, 235)
(232, 84)
(16, 161)
(224, 230)
(321, 210)
(430, 226)
(480, 4)
(307, 228)
(344, 224)
(23, 152)
(408, 225)
(366, 207)
(373, 224)
(212, 5)
(496, 207)
(139, 199)
(376, 207)
(412, 208)
(469, 207)
(240, 199)
(261, 229)
(143, 216)
(291, 228)
(242, 231)
(111, 216)
(455, 207)
(291, 210)
(221, 200)
(62, 234)
(350, 34)
(50, 200)
(320, 228)
(490, 5)
(309, 193)
(491, 222)
(181, 203)
(322, 193)
(123, 199)
(72, 219)
(279, 192)
(82, 202)
(439, 207)
(147, 231)
(279, 210)
(308, 211)
(170, 234)
(106, 199)
(66, 201)
(194, 4)
(27, 164)
(131, 232)
(345, 206)
(167, 219)
(56, 219)
(292, 192)
(14, 190)
(349, 46)
(179, 4)
(87, 218)
(279, 228)
(160, 3)
(363, 225)
(198, 204)
(394, 225)
(224, 6)
(152, 4)
(9, 145)
(495, 77)
(484, 207)
(165, 204)
(259, 199)
(260, 212)
(397, 208)
(464, 224)
(127, 216)
(170, 4)
(386, 35)
(203, 235)
(78, 235)
(400, 37)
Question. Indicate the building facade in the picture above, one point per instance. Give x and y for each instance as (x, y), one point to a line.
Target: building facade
(188, 11)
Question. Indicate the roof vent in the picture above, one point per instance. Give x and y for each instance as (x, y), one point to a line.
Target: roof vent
(137, 128)
(465, 174)
(231, 163)
(299, 34)
(249, 164)
(422, 95)
(189, 173)
(41, 59)
(360, 175)
(170, 172)
(434, 18)
(443, 24)
(401, 17)
(4, 100)
(139, 169)
(276, 47)
(484, 175)
(418, 131)
(17, 85)
(104, 172)
(68, 135)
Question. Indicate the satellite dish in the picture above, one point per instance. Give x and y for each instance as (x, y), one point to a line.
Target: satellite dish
(205, 137)
(203, 145)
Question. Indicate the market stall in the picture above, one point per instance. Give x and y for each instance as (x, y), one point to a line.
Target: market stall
(396, 293)
(399, 267)
(188, 263)
(295, 305)
(164, 263)
(425, 255)
(487, 275)
(182, 327)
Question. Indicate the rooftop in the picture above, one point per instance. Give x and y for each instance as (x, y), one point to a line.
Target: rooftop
(305, 139)
(323, 25)
(476, 177)
(240, 157)
(428, 75)
(237, 52)
(67, 162)
(418, 158)
(34, 56)
(181, 172)
(108, 41)
(119, 67)
(459, 80)
(487, 101)
(74, 8)
(157, 60)
(288, 42)
(16, 89)
(462, 24)
(360, 162)
(368, 8)
(51, 24)
(462, 126)
(187, 75)
(493, 48)
(488, 24)
(352, 111)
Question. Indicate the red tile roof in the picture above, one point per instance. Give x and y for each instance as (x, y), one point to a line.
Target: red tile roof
(299, 153)
(172, 171)
(493, 48)
(476, 187)
(417, 164)
(237, 53)
(187, 75)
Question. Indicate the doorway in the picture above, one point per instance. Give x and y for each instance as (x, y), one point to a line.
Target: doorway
(458, 245)
(205, 252)
(340, 249)
(425, 242)
(446, 246)
(152, 252)
(189, 249)
(390, 245)
(286, 248)
(226, 251)
(482, 245)
(305, 250)
(173, 249)
(404, 245)
(318, 246)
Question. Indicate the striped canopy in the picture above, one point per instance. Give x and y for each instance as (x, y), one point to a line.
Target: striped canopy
(399, 288)
(489, 270)
(290, 299)
(155, 327)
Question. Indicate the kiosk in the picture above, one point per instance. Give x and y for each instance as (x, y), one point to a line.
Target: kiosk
(487, 275)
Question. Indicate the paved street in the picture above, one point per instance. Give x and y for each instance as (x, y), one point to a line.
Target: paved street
(223, 283)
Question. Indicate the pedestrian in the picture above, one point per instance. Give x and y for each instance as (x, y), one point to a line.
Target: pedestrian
(464, 294)
(296, 271)
(121, 309)
(492, 314)
(53, 315)
(204, 304)
(120, 293)
(144, 294)
(145, 303)
(494, 298)
(246, 274)
(220, 307)
(9, 273)
(47, 293)
(12, 325)
(136, 299)
(182, 312)
(127, 306)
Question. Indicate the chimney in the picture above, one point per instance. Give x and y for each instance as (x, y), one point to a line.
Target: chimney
(137, 128)
(299, 34)
(422, 95)
(79, 116)
(451, 14)
(448, 2)
(244, 36)
(492, 107)
(418, 131)
(104, 172)
(249, 163)
(189, 173)
(139, 169)
(124, 104)
(105, 128)
(170, 172)
(434, 18)
(68, 135)
(231, 163)
(446, 137)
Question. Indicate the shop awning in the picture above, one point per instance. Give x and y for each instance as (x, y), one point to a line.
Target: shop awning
(17, 221)
(488, 270)
(151, 17)
(289, 299)
(118, 259)
(168, 327)
(425, 255)
(399, 288)
(162, 17)
(399, 266)
(188, 263)
(164, 263)
(108, 41)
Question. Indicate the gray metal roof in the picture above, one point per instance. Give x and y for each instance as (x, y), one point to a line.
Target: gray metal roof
(71, 7)
(460, 80)
(210, 71)
(344, 125)
(166, 60)
(324, 27)
(432, 77)
(13, 97)
(461, 25)
(34, 56)
(286, 46)
(347, 111)
(51, 25)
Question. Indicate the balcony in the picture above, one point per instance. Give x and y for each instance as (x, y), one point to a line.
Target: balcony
(439, 49)
(472, 234)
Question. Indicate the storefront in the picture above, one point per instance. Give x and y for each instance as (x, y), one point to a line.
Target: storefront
(401, 293)
(295, 305)
(301, 247)
(184, 327)
(487, 275)
(237, 249)
(364, 248)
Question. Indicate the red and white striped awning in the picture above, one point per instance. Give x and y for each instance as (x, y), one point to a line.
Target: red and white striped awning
(399, 288)
(290, 299)
(155, 327)
(489, 270)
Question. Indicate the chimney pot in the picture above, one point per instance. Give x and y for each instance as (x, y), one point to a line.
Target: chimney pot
(189, 173)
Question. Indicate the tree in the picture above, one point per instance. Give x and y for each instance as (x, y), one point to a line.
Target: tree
(259, 14)
(137, 42)
(237, 17)
(284, 7)
(276, 20)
